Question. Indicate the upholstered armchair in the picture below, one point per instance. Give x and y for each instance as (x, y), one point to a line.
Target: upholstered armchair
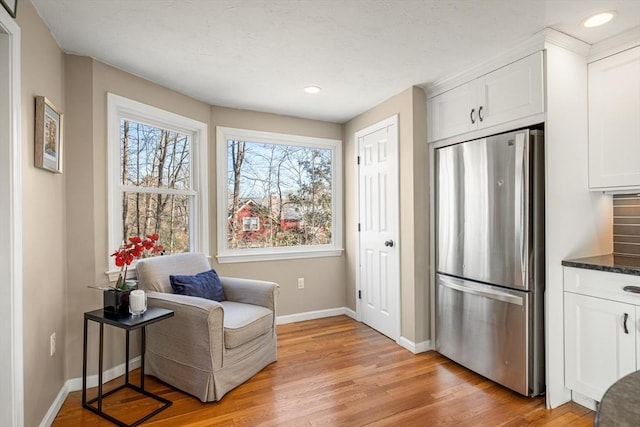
(208, 347)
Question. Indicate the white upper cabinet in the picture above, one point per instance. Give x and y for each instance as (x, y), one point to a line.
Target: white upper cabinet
(452, 113)
(614, 122)
(509, 93)
(512, 92)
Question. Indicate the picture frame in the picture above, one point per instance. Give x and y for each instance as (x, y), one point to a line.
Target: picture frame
(48, 135)
(11, 6)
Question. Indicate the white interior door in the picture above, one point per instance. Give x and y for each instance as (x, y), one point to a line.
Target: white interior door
(378, 279)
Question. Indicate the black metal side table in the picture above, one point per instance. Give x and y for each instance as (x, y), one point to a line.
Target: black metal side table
(128, 323)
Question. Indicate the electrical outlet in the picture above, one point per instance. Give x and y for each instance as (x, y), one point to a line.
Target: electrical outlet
(52, 344)
(300, 282)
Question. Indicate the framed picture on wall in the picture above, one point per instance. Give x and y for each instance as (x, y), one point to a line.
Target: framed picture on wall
(11, 6)
(48, 135)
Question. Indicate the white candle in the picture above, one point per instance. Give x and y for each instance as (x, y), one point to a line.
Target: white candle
(137, 302)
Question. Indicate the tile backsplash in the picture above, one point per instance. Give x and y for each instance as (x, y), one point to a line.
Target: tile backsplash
(626, 225)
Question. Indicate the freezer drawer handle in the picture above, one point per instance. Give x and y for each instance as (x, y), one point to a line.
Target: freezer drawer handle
(626, 330)
(487, 293)
(632, 289)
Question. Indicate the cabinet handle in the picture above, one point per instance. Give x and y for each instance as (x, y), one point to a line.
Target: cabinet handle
(471, 116)
(480, 113)
(626, 316)
(632, 289)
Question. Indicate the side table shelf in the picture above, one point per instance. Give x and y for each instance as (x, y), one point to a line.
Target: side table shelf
(128, 323)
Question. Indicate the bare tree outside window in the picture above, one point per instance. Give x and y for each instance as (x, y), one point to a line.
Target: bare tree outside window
(156, 179)
(286, 190)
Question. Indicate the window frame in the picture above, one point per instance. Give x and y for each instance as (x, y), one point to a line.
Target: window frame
(119, 107)
(226, 255)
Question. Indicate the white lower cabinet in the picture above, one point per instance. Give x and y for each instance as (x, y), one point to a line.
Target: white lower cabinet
(598, 350)
(601, 330)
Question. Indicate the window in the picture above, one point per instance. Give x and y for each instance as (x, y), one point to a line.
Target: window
(251, 223)
(157, 177)
(279, 196)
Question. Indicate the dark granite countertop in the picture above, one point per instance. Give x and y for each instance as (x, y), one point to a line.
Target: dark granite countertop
(620, 406)
(610, 263)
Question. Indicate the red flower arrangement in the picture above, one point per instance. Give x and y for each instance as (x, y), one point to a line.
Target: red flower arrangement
(131, 250)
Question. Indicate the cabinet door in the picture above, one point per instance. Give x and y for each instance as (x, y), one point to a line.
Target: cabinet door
(614, 121)
(511, 92)
(451, 112)
(598, 351)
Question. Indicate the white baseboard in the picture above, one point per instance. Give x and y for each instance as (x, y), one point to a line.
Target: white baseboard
(583, 400)
(317, 314)
(414, 348)
(350, 313)
(50, 416)
(75, 384)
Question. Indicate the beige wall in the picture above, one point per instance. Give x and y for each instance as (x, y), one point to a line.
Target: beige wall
(419, 253)
(410, 106)
(80, 212)
(44, 219)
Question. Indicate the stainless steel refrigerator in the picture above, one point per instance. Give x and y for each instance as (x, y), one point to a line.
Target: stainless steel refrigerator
(490, 257)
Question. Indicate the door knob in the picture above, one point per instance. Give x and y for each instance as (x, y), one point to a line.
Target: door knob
(389, 243)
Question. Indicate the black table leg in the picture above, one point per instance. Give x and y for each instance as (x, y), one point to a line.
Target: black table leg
(126, 361)
(100, 363)
(143, 346)
(84, 364)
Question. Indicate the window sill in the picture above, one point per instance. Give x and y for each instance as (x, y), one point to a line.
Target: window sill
(131, 272)
(113, 274)
(275, 256)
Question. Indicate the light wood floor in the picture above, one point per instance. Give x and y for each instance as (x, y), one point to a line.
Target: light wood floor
(338, 372)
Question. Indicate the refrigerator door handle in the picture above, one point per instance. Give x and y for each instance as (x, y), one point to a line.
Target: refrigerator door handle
(484, 292)
(519, 208)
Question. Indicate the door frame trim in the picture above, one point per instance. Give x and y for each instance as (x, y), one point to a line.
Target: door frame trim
(389, 121)
(11, 362)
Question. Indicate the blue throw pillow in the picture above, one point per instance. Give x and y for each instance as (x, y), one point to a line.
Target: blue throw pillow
(204, 285)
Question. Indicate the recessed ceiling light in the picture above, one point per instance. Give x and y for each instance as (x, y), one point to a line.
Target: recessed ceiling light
(312, 89)
(599, 19)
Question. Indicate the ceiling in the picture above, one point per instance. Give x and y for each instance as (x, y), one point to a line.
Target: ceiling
(259, 54)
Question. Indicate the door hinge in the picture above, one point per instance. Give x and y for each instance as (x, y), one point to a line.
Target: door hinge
(358, 226)
(359, 294)
(358, 159)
